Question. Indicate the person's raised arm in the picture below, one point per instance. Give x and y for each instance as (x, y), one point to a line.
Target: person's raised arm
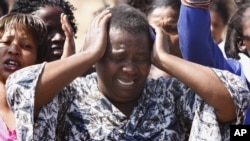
(195, 37)
(201, 79)
(57, 74)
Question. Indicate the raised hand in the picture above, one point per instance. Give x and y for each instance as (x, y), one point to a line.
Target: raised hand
(69, 44)
(161, 47)
(95, 40)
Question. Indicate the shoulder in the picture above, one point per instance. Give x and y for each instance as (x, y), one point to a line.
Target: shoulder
(165, 87)
(83, 83)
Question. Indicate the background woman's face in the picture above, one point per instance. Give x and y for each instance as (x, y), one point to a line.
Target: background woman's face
(167, 19)
(51, 16)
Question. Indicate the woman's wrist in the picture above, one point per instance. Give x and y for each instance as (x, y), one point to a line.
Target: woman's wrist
(203, 4)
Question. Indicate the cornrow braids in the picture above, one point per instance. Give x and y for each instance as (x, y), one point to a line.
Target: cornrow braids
(30, 6)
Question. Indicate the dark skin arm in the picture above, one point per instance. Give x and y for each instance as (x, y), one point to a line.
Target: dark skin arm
(51, 82)
(205, 82)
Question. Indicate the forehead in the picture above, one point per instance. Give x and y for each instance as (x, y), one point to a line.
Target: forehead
(18, 29)
(121, 39)
(49, 12)
(246, 19)
(17, 34)
(216, 17)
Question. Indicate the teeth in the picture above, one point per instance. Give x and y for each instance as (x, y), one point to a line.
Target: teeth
(12, 63)
(125, 83)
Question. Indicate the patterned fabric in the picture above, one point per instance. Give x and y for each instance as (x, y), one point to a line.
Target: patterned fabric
(167, 110)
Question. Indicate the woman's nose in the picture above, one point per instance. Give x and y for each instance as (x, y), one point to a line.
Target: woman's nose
(58, 37)
(14, 49)
(129, 67)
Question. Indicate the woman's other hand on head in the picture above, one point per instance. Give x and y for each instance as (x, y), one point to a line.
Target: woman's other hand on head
(160, 47)
(95, 40)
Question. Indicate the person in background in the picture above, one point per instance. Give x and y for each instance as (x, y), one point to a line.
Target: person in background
(237, 44)
(165, 14)
(49, 11)
(119, 102)
(22, 39)
(142, 5)
(220, 12)
(197, 44)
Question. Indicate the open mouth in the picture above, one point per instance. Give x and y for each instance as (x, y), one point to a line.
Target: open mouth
(126, 83)
(57, 51)
(12, 65)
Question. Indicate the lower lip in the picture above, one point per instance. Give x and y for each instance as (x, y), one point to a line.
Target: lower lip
(11, 68)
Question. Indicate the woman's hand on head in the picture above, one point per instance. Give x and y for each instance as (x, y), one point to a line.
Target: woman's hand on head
(95, 40)
(160, 47)
(69, 43)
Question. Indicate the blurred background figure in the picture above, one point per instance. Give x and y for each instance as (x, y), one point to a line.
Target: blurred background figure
(220, 12)
(240, 2)
(142, 5)
(165, 14)
(4, 7)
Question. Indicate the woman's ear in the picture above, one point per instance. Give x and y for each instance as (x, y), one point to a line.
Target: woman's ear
(241, 45)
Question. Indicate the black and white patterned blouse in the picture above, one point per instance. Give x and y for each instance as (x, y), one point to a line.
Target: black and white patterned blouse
(167, 111)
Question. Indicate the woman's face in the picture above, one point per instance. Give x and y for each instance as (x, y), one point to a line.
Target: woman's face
(217, 26)
(125, 66)
(167, 19)
(17, 50)
(56, 37)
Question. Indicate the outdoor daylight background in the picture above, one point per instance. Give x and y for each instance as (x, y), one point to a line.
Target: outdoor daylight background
(84, 14)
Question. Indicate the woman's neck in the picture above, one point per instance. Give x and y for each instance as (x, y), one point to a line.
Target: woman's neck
(3, 100)
(125, 107)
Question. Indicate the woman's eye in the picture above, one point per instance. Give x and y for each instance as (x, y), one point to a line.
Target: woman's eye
(26, 46)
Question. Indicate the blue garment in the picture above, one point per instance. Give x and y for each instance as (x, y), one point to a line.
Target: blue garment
(197, 44)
